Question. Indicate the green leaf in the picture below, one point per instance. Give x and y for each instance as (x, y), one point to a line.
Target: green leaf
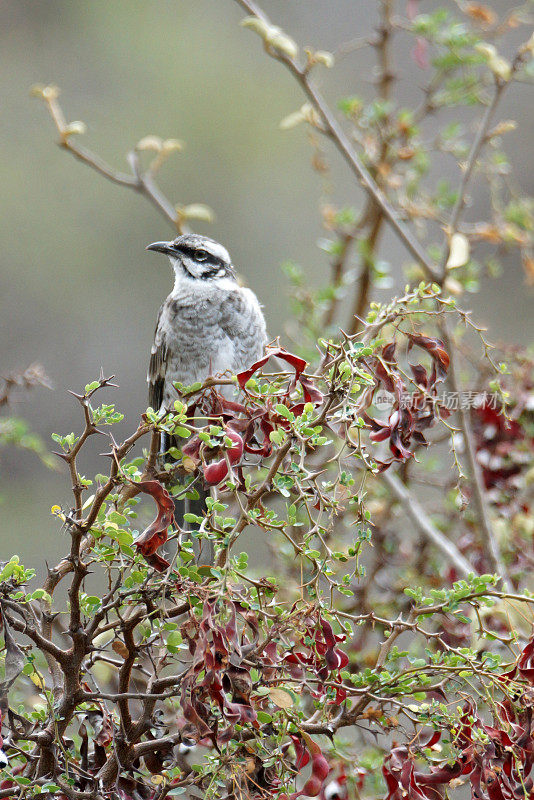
(41, 594)
(118, 519)
(183, 432)
(284, 411)
(193, 518)
(277, 437)
(174, 640)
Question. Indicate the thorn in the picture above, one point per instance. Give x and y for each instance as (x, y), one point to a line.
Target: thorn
(64, 456)
(51, 571)
(107, 381)
(80, 397)
(51, 617)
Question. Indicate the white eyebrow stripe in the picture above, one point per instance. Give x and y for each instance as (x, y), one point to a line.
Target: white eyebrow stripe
(216, 250)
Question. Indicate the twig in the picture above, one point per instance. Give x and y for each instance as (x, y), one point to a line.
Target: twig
(418, 516)
(489, 541)
(480, 139)
(382, 45)
(362, 297)
(487, 535)
(143, 183)
(334, 130)
(476, 147)
(34, 375)
(338, 270)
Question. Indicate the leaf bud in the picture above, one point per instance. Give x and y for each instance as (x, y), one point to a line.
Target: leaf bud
(305, 113)
(198, 211)
(324, 57)
(500, 67)
(257, 25)
(46, 92)
(172, 146)
(453, 286)
(505, 126)
(77, 127)
(150, 142)
(272, 35)
(528, 47)
(458, 251)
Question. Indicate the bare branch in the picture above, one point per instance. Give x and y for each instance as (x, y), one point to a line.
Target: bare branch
(419, 518)
(342, 142)
(485, 528)
(143, 183)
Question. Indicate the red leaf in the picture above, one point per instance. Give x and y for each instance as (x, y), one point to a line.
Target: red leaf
(236, 451)
(435, 348)
(299, 364)
(192, 447)
(397, 448)
(310, 391)
(383, 375)
(158, 562)
(215, 472)
(156, 533)
(302, 754)
(420, 53)
(420, 375)
(525, 665)
(388, 352)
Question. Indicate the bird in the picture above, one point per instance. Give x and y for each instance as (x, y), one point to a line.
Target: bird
(208, 325)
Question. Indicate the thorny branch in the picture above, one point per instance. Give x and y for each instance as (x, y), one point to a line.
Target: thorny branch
(342, 142)
(229, 631)
(379, 207)
(417, 515)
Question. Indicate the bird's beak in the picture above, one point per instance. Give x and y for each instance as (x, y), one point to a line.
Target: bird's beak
(161, 247)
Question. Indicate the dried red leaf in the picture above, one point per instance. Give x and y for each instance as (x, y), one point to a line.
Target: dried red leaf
(215, 472)
(299, 364)
(156, 534)
(309, 390)
(420, 53)
(436, 350)
(525, 664)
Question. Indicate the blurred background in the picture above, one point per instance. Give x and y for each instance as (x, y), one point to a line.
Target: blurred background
(79, 292)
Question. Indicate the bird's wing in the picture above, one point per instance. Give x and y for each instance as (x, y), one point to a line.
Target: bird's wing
(157, 367)
(242, 321)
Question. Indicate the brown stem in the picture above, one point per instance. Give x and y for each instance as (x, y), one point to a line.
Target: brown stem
(485, 528)
(361, 301)
(418, 516)
(476, 148)
(334, 130)
(143, 183)
(336, 280)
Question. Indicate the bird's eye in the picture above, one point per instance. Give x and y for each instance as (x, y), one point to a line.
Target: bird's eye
(201, 255)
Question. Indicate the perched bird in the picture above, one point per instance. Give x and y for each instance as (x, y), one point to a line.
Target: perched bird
(207, 326)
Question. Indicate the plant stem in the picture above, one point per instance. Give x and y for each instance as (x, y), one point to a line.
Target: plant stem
(418, 516)
(334, 130)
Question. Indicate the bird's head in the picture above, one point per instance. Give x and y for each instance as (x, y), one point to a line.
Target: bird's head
(196, 257)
